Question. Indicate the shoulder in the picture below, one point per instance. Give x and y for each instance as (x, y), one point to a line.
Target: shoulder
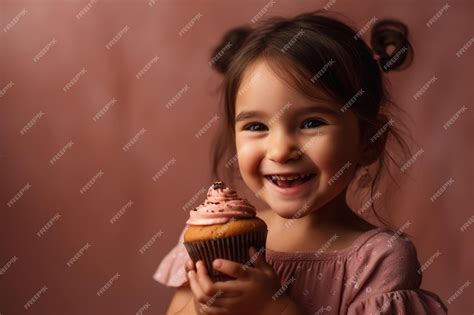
(384, 272)
(387, 259)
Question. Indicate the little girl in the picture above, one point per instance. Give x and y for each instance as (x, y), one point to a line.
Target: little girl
(306, 108)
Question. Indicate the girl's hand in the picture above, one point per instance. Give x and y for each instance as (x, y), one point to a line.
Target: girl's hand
(250, 293)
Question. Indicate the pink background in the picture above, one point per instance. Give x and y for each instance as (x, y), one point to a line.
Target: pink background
(169, 134)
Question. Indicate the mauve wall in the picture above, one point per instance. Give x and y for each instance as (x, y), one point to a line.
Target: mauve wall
(98, 136)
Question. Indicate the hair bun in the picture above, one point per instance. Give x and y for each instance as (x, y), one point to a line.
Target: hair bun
(386, 33)
(223, 54)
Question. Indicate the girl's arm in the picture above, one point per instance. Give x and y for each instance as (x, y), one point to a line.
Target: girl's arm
(182, 302)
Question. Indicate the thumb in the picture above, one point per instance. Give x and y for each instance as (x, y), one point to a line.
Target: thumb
(258, 257)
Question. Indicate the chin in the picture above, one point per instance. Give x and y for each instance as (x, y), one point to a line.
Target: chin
(290, 212)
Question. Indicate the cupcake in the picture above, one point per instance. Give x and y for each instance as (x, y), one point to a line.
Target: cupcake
(224, 226)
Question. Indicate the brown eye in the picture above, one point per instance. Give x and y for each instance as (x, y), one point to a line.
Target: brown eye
(312, 123)
(255, 127)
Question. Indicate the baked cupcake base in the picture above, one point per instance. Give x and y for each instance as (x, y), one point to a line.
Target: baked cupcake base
(229, 241)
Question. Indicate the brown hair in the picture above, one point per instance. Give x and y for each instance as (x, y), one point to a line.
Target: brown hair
(312, 52)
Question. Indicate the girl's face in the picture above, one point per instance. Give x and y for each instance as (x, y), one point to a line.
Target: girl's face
(281, 132)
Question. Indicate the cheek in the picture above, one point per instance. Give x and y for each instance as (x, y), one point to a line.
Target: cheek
(249, 158)
(333, 153)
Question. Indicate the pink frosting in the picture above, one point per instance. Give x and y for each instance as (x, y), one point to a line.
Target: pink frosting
(221, 205)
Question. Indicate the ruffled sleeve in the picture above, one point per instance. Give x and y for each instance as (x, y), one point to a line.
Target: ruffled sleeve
(400, 302)
(386, 280)
(171, 270)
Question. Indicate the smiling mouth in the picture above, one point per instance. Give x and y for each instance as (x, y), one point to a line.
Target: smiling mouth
(285, 181)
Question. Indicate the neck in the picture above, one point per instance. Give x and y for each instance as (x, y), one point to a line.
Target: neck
(336, 217)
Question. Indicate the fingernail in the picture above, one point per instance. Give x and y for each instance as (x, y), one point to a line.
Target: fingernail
(217, 263)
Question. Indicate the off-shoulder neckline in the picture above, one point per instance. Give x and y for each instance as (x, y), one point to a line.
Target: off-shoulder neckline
(328, 254)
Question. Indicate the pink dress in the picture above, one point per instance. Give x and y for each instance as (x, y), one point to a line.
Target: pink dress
(377, 274)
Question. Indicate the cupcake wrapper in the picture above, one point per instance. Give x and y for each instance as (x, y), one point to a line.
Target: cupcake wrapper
(235, 248)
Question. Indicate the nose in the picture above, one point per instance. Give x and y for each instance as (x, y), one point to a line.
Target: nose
(282, 148)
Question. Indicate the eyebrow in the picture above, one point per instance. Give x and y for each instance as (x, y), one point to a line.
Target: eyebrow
(244, 115)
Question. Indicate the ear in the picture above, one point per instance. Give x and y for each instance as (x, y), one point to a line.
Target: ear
(373, 139)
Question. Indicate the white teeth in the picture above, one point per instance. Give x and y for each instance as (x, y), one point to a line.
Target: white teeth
(288, 178)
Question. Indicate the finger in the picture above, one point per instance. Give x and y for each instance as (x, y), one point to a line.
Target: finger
(212, 309)
(189, 265)
(230, 268)
(198, 294)
(257, 257)
(204, 280)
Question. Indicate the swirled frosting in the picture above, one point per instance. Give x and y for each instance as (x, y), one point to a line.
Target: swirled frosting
(221, 205)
